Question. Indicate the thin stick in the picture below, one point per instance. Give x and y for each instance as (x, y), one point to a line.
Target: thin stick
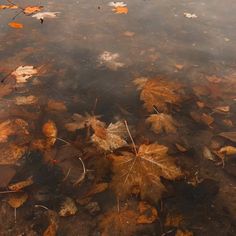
(94, 106)
(42, 207)
(155, 109)
(15, 214)
(9, 191)
(64, 141)
(83, 175)
(67, 174)
(118, 204)
(132, 140)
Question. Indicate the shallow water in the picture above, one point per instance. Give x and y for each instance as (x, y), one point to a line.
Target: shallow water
(153, 40)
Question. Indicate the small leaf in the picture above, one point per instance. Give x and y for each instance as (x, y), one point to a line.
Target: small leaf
(228, 150)
(16, 25)
(22, 184)
(17, 200)
(32, 9)
(120, 10)
(68, 208)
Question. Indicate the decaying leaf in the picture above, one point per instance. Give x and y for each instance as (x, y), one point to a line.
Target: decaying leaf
(148, 214)
(110, 60)
(120, 10)
(183, 233)
(49, 129)
(42, 15)
(118, 223)
(81, 122)
(16, 25)
(22, 184)
(24, 73)
(97, 188)
(32, 9)
(229, 135)
(143, 171)
(68, 208)
(26, 100)
(112, 137)
(222, 109)
(11, 153)
(158, 92)
(54, 105)
(162, 123)
(18, 199)
(228, 150)
(228, 123)
(179, 66)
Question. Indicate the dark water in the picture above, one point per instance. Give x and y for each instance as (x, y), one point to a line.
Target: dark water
(149, 41)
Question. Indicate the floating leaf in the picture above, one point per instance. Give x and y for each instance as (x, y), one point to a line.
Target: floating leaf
(22, 184)
(24, 73)
(68, 208)
(190, 15)
(162, 123)
(42, 15)
(112, 137)
(110, 60)
(32, 9)
(121, 10)
(143, 171)
(158, 92)
(16, 25)
(8, 7)
(17, 200)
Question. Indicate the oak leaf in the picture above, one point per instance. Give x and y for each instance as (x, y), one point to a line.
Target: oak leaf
(162, 123)
(143, 171)
(158, 92)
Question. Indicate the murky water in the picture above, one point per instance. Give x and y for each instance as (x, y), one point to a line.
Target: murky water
(87, 58)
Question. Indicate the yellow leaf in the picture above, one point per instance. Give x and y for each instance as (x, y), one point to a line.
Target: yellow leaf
(8, 7)
(162, 123)
(17, 200)
(22, 184)
(120, 10)
(16, 25)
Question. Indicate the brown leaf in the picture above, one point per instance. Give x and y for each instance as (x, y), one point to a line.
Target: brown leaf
(202, 118)
(26, 100)
(56, 105)
(17, 200)
(229, 135)
(51, 230)
(228, 150)
(148, 214)
(181, 148)
(183, 233)
(32, 9)
(143, 171)
(179, 66)
(162, 123)
(16, 25)
(68, 208)
(158, 92)
(222, 109)
(22, 184)
(49, 129)
(98, 188)
(112, 137)
(173, 220)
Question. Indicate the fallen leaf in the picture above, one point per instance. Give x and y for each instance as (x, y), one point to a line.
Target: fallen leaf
(222, 109)
(214, 79)
(49, 129)
(54, 105)
(229, 135)
(228, 150)
(8, 7)
(190, 15)
(81, 122)
(128, 34)
(51, 230)
(18, 199)
(26, 100)
(228, 123)
(11, 153)
(179, 66)
(24, 73)
(158, 92)
(112, 137)
(183, 233)
(32, 9)
(97, 188)
(206, 152)
(68, 208)
(110, 60)
(117, 4)
(181, 148)
(148, 214)
(202, 118)
(42, 15)
(200, 104)
(120, 10)
(22, 184)
(16, 25)
(143, 171)
(162, 123)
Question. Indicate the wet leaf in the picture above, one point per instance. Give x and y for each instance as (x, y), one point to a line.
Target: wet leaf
(8, 7)
(54, 105)
(202, 118)
(24, 73)
(11, 153)
(68, 208)
(112, 137)
(228, 123)
(16, 25)
(22, 184)
(148, 214)
(81, 122)
(228, 150)
(32, 9)
(158, 92)
(206, 152)
(26, 100)
(98, 188)
(42, 15)
(51, 230)
(143, 171)
(110, 60)
(181, 148)
(173, 220)
(17, 200)
(162, 123)
(229, 135)
(179, 66)
(49, 129)
(183, 233)
(120, 10)
(222, 109)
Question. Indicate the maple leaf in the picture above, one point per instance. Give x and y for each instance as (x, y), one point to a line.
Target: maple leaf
(158, 92)
(42, 15)
(23, 73)
(16, 25)
(32, 9)
(162, 122)
(110, 138)
(81, 122)
(143, 171)
(120, 10)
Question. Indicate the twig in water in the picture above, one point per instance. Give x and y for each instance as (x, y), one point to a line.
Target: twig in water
(67, 174)
(64, 141)
(83, 175)
(9, 191)
(42, 206)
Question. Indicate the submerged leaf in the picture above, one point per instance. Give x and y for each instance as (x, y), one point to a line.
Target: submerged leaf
(148, 214)
(17, 200)
(49, 129)
(22, 184)
(162, 123)
(23, 73)
(68, 208)
(26, 100)
(143, 171)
